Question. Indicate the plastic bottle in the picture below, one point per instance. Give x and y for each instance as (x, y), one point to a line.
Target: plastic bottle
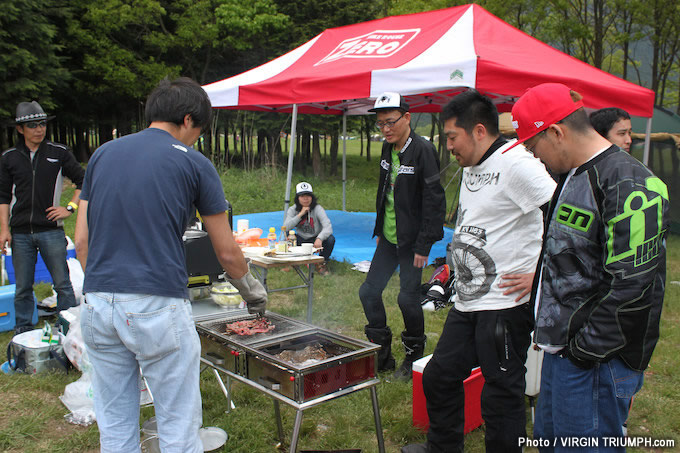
(282, 243)
(292, 240)
(271, 238)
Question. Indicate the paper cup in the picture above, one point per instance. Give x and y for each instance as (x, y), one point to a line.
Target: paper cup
(307, 248)
(242, 225)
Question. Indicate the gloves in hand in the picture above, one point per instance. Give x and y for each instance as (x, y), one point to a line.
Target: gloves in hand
(252, 292)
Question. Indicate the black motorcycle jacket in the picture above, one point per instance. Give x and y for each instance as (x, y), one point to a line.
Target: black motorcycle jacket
(419, 199)
(30, 187)
(603, 263)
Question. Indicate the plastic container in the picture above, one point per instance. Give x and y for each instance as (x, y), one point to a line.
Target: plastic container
(225, 294)
(271, 238)
(212, 437)
(473, 392)
(292, 240)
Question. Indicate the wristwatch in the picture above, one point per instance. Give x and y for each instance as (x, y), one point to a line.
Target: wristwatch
(70, 209)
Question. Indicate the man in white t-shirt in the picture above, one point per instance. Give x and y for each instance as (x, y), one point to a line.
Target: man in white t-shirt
(495, 248)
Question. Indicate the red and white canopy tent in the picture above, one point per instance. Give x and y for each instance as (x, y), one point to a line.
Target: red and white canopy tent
(427, 57)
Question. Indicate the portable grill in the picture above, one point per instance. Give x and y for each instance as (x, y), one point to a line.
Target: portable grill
(262, 361)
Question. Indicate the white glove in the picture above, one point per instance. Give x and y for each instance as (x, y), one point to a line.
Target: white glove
(252, 292)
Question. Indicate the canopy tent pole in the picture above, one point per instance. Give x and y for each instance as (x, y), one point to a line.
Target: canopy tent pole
(344, 156)
(648, 139)
(291, 155)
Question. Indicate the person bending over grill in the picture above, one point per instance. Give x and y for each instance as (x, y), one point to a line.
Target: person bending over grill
(311, 224)
(138, 197)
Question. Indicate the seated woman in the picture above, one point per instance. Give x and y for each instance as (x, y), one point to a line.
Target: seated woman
(311, 224)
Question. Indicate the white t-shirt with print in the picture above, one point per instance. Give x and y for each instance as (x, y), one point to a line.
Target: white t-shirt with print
(499, 227)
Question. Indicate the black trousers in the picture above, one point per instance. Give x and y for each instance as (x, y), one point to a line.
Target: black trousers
(385, 261)
(497, 342)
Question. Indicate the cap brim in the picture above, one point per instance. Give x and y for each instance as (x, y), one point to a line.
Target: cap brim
(515, 144)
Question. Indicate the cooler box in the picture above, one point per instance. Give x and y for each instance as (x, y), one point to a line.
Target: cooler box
(7, 316)
(473, 392)
(41, 272)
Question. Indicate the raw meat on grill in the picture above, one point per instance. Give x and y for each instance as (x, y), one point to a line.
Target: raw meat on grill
(249, 327)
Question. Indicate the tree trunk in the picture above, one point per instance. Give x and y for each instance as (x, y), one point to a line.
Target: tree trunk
(316, 155)
(369, 128)
(334, 153)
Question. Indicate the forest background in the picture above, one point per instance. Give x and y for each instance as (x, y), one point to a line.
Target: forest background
(93, 62)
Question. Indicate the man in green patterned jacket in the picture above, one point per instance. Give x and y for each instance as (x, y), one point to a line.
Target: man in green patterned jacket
(600, 281)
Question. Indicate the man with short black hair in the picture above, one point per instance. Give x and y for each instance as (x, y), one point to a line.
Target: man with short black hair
(31, 182)
(599, 285)
(139, 194)
(613, 124)
(410, 206)
(495, 248)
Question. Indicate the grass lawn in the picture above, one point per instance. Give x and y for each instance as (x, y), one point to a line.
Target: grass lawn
(31, 416)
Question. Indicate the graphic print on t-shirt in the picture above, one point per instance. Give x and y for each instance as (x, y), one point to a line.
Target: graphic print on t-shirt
(475, 269)
(306, 225)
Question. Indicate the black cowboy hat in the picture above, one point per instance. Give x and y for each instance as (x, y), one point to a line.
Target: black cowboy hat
(30, 111)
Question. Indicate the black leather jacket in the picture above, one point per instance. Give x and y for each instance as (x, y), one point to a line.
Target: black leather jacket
(419, 199)
(30, 187)
(604, 262)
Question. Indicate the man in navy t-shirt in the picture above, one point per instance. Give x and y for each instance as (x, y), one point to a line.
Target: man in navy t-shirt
(137, 199)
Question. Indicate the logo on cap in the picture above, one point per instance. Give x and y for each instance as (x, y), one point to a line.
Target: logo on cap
(376, 44)
(538, 124)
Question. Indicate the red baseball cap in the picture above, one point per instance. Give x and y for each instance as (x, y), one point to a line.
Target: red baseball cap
(540, 107)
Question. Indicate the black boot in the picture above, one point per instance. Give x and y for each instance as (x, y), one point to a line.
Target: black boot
(383, 337)
(414, 347)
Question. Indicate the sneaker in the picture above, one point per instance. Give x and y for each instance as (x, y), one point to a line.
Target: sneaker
(416, 448)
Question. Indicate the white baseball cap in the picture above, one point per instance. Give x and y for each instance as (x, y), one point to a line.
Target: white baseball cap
(390, 100)
(303, 188)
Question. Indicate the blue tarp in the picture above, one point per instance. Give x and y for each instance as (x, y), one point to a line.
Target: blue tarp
(352, 231)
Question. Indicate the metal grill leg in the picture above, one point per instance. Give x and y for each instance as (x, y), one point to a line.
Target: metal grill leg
(376, 417)
(296, 432)
(279, 425)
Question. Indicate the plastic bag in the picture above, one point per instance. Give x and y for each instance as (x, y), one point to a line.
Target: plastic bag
(78, 396)
(77, 277)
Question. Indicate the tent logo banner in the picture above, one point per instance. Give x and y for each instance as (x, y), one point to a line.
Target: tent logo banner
(376, 44)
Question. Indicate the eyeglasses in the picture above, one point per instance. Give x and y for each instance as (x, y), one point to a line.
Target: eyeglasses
(388, 124)
(34, 124)
(531, 148)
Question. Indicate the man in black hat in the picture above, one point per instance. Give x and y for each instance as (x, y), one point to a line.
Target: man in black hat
(410, 207)
(31, 181)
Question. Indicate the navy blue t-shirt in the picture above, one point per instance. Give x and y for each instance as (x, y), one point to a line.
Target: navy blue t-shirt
(141, 191)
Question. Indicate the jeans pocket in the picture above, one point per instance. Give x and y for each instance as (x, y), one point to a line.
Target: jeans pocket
(86, 321)
(627, 382)
(156, 334)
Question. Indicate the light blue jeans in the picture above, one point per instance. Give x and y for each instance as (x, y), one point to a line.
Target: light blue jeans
(587, 406)
(123, 332)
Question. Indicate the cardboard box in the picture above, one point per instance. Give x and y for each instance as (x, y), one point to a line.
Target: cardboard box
(473, 392)
(7, 313)
(41, 272)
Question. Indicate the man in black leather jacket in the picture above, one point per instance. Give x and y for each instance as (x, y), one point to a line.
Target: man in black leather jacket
(599, 286)
(410, 207)
(31, 181)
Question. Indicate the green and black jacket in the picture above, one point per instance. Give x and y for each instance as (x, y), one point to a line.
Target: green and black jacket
(603, 262)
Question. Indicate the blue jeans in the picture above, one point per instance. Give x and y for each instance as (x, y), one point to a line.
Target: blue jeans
(52, 247)
(123, 332)
(588, 405)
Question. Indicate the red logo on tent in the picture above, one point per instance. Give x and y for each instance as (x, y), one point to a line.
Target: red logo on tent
(376, 44)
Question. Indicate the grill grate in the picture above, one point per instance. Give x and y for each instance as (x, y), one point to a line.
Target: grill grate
(282, 326)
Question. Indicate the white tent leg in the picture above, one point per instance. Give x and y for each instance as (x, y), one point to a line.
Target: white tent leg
(648, 133)
(291, 155)
(344, 157)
